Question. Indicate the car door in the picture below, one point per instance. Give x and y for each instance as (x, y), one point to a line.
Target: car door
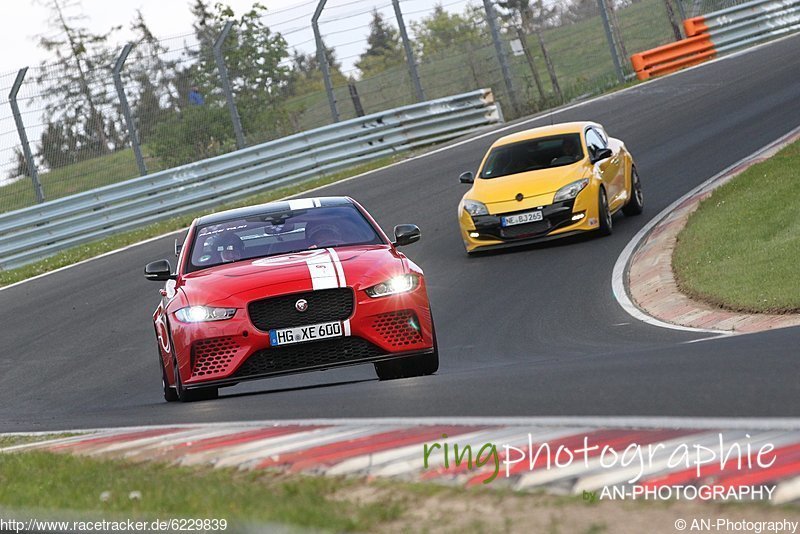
(618, 161)
(610, 168)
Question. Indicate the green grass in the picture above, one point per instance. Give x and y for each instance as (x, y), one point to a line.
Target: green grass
(71, 179)
(63, 482)
(22, 439)
(740, 249)
(90, 250)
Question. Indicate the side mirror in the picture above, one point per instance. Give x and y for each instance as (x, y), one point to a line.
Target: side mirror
(466, 178)
(405, 234)
(158, 271)
(601, 154)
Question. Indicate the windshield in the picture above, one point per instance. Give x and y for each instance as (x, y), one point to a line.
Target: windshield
(280, 232)
(532, 155)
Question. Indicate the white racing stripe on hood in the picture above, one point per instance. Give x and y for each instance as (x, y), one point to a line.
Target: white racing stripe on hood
(339, 269)
(322, 271)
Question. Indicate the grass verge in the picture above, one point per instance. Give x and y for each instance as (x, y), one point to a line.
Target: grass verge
(104, 487)
(739, 250)
(12, 440)
(92, 488)
(95, 248)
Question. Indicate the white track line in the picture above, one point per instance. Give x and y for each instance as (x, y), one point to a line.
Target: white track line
(644, 422)
(509, 126)
(621, 266)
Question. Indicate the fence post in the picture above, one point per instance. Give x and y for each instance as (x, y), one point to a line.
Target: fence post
(351, 86)
(322, 58)
(23, 137)
(615, 30)
(681, 9)
(523, 41)
(676, 27)
(612, 47)
(126, 109)
(412, 63)
(491, 18)
(226, 84)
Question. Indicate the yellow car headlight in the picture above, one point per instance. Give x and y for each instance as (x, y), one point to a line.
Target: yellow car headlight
(475, 208)
(570, 191)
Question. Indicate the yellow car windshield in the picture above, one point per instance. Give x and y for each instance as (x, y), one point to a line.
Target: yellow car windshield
(532, 155)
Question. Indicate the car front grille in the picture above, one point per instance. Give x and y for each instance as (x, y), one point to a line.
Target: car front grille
(304, 355)
(281, 312)
(554, 216)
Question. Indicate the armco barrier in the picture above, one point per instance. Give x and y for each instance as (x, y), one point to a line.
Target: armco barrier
(39, 231)
(673, 56)
(720, 32)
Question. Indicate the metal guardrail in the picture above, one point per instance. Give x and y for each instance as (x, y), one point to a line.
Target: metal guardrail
(747, 23)
(719, 32)
(33, 233)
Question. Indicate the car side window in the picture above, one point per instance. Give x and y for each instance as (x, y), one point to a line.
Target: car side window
(603, 135)
(593, 140)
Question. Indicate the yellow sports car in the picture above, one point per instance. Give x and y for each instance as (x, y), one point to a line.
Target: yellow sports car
(548, 182)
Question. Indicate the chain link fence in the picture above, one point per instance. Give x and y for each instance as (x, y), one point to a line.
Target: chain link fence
(206, 93)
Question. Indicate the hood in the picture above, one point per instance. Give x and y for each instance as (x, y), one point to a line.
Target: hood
(530, 184)
(237, 283)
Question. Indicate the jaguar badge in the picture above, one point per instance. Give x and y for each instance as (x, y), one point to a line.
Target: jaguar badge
(301, 305)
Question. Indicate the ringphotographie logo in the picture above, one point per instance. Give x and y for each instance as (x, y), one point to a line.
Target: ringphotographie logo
(639, 469)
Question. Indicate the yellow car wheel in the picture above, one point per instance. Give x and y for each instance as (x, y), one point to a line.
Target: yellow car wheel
(604, 213)
(635, 205)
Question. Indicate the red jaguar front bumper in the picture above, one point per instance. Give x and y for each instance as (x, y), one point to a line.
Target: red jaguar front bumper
(226, 352)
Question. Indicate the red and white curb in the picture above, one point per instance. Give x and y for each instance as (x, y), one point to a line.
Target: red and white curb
(643, 281)
(575, 455)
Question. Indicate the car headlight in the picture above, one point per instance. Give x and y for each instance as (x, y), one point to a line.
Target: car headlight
(570, 191)
(393, 286)
(201, 314)
(475, 208)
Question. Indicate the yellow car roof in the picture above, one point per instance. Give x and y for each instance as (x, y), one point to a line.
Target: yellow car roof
(544, 131)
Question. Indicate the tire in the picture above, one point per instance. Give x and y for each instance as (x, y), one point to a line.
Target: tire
(191, 395)
(635, 205)
(410, 366)
(606, 222)
(170, 393)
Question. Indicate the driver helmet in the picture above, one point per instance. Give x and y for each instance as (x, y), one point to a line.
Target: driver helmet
(228, 247)
(317, 234)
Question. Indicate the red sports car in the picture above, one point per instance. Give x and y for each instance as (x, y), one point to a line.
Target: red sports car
(287, 287)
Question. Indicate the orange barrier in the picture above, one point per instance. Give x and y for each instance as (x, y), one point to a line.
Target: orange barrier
(695, 26)
(673, 56)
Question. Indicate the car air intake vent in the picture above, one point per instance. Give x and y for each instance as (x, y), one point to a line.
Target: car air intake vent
(213, 355)
(398, 328)
(320, 307)
(304, 355)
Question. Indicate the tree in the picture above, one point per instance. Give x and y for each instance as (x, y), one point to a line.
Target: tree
(20, 165)
(306, 75)
(441, 30)
(59, 146)
(579, 10)
(533, 17)
(155, 79)
(254, 55)
(76, 85)
(383, 47)
(530, 15)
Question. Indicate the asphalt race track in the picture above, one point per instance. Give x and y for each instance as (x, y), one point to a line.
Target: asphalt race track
(529, 332)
